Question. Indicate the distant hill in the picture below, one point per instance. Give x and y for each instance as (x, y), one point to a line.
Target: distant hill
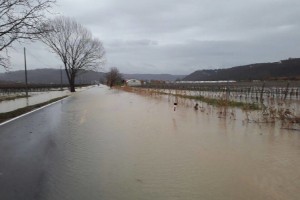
(49, 76)
(52, 76)
(285, 69)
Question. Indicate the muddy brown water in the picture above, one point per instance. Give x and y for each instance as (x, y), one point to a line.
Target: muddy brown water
(119, 145)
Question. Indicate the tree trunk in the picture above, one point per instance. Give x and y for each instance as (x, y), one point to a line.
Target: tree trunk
(72, 83)
(72, 87)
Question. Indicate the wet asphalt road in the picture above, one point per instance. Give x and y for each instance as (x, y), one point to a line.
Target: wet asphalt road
(30, 146)
(26, 147)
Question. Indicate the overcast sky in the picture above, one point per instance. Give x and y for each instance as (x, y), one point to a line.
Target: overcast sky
(179, 37)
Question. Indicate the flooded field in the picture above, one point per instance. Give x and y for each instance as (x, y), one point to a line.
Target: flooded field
(264, 109)
(34, 98)
(118, 145)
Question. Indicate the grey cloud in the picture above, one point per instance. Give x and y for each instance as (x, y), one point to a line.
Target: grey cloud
(172, 36)
(117, 44)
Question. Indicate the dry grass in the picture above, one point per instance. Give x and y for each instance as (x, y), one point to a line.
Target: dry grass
(210, 101)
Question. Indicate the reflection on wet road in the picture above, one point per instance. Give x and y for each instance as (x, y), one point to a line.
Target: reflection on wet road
(108, 144)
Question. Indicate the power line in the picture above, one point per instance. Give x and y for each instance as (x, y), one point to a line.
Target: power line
(38, 59)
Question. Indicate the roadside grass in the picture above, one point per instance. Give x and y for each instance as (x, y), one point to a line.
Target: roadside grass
(9, 115)
(222, 102)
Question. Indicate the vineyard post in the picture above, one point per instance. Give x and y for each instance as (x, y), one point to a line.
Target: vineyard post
(262, 91)
(286, 90)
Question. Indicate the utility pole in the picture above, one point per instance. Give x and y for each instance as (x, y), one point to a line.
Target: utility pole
(25, 72)
(61, 84)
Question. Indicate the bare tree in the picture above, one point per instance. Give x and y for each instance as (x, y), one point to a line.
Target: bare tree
(113, 77)
(20, 19)
(74, 45)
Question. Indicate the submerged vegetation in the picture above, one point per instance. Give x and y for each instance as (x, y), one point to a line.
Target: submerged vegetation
(221, 102)
(208, 100)
(265, 109)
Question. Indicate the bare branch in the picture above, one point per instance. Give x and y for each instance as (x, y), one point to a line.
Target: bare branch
(74, 45)
(20, 20)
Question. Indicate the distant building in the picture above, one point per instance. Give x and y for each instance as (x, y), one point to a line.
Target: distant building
(133, 82)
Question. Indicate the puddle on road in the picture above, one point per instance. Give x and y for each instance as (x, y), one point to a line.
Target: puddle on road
(136, 147)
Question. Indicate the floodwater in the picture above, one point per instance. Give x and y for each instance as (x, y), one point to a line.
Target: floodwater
(269, 101)
(124, 146)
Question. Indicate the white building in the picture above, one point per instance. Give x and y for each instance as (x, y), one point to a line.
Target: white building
(133, 82)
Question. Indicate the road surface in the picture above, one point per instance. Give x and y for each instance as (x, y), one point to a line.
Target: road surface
(108, 144)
